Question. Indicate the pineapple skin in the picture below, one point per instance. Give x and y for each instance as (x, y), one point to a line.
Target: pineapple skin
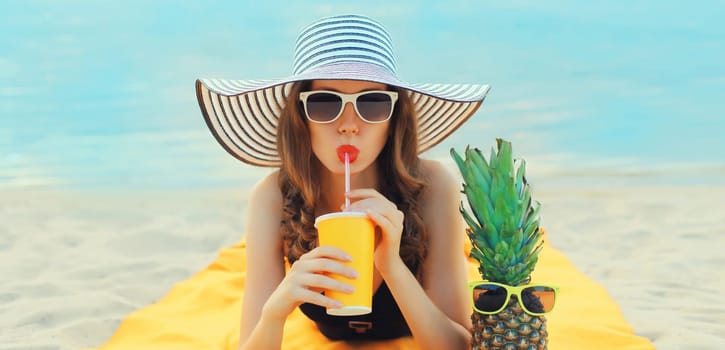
(509, 329)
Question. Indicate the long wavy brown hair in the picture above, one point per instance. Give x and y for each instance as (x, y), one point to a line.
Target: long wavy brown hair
(398, 164)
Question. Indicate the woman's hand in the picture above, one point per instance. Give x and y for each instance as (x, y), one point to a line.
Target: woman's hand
(306, 280)
(387, 217)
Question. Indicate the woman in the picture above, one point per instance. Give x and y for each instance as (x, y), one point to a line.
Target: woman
(344, 95)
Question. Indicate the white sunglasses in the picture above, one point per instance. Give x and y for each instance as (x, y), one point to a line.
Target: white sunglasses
(322, 106)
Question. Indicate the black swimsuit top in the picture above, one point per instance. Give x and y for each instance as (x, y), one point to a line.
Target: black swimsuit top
(385, 322)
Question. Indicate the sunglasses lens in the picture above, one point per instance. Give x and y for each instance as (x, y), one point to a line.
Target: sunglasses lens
(489, 297)
(375, 106)
(323, 107)
(538, 299)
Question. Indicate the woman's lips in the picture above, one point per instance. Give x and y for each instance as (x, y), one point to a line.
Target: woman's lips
(351, 150)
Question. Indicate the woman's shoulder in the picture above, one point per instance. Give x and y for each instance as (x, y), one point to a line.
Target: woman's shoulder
(266, 191)
(439, 178)
(442, 190)
(264, 212)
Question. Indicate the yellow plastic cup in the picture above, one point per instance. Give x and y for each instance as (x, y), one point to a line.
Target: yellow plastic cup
(354, 233)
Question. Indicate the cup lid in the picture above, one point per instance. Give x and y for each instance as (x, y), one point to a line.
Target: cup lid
(340, 214)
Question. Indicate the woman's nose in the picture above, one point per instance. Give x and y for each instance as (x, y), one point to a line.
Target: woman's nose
(349, 120)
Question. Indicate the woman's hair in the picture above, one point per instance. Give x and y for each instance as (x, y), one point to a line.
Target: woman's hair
(398, 164)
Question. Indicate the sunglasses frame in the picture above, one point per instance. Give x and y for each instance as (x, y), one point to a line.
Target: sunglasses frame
(511, 291)
(349, 98)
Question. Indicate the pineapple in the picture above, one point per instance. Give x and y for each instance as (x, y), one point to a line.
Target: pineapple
(504, 231)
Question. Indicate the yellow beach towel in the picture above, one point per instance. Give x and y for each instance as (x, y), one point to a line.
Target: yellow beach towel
(203, 312)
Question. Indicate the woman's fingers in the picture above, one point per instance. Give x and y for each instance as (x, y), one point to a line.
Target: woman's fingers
(326, 260)
(320, 281)
(326, 252)
(371, 197)
(382, 211)
(297, 294)
(385, 223)
(313, 270)
(308, 277)
(300, 288)
(324, 301)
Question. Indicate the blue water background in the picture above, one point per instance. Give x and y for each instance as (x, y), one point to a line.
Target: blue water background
(100, 94)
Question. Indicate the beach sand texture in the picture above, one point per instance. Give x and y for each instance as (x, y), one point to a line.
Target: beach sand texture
(73, 264)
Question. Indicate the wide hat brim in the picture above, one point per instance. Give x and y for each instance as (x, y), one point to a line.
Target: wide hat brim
(243, 114)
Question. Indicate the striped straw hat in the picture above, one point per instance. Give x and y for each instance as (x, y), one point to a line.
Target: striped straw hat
(242, 114)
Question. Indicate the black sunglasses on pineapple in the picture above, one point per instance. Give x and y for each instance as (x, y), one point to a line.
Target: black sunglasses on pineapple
(491, 297)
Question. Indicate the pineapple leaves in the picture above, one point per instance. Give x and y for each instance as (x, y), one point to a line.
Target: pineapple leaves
(503, 220)
(472, 223)
(520, 179)
(477, 162)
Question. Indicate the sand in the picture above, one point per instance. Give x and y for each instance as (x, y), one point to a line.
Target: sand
(74, 263)
(657, 250)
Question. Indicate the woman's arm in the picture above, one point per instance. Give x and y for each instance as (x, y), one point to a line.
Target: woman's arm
(270, 294)
(265, 267)
(445, 270)
(438, 313)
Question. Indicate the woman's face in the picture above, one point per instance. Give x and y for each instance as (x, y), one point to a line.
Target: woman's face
(348, 130)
